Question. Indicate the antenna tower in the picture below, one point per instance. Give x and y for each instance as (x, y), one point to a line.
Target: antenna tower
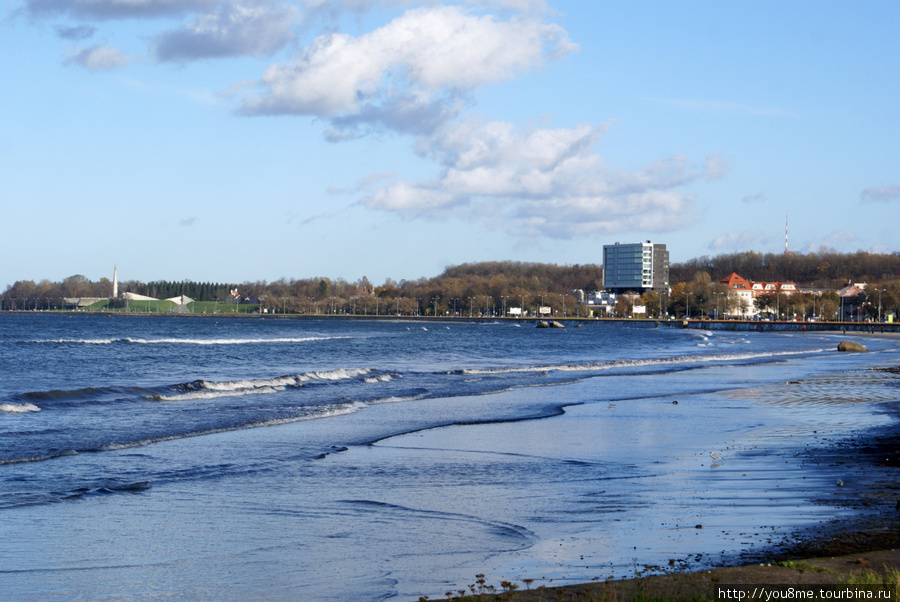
(785, 234)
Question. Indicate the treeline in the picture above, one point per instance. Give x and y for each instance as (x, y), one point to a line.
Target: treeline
(491, 288)
(198, 291)
(827, 269)
(30, 294)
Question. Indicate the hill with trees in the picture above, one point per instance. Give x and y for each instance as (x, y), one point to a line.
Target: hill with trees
(491, 288)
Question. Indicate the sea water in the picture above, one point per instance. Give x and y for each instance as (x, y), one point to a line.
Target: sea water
(335, 459)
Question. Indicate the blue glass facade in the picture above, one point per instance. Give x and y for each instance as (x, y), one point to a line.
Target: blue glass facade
(635, 267)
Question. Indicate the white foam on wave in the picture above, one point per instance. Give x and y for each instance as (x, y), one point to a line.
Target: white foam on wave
(395, 399)
(215, 394)
(206, 389)
(685, 359)
(18, 408)
(381, 378)
(228, 341)
(76, 341)
(338, 374)
(177, 341)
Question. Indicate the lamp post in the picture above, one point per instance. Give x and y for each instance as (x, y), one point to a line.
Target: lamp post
(687, 297)
(879, 302)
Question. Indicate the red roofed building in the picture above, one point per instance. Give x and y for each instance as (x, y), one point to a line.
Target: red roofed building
(742, 293)
(740, 296)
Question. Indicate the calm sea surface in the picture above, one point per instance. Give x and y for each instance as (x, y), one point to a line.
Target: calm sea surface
(369, 460)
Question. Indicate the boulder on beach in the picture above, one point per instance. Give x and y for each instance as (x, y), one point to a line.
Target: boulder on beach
(850, 346)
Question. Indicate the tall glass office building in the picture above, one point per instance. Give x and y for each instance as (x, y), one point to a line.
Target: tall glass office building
(637, 267)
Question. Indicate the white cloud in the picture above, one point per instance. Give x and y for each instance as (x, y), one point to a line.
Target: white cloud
(98, 58)
(541, 182)
(882, 194)
(229, 31)
(736, 240)
(425, 57)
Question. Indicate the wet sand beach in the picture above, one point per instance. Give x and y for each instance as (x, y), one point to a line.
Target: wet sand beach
(860, 547)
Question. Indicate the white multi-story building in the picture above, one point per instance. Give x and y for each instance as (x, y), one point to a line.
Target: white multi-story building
(637, 267)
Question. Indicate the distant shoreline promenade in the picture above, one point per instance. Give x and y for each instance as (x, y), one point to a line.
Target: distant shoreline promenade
(569, 321)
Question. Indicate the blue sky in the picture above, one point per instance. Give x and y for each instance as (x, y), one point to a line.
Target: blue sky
(229, 140)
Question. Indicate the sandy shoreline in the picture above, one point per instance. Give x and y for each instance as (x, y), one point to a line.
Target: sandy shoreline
(858, 549)
(792, 577)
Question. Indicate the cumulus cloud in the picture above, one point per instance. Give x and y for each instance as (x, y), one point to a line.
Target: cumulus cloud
(541, 182)
(408, 74)
(736, 240)
(227, 32)
(99, 57)
(227, 28)
(882, 194)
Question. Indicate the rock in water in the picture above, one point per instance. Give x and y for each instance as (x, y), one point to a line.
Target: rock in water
(850, 346)
(546, 324)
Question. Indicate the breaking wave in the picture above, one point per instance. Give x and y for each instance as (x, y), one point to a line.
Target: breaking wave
(177, 341)
(610, 365)
(18, 408)
(205, 389)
